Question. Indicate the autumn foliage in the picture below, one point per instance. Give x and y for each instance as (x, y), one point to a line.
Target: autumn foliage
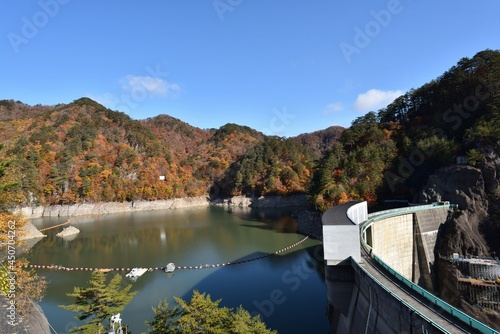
(84, 152)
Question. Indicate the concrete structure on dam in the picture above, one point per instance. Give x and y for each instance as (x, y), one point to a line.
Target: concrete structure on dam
(380, 266)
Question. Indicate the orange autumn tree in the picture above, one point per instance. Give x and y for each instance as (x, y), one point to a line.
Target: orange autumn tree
(16, 283)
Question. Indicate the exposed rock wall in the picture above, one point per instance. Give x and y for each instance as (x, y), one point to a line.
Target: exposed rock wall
(85, 209)
(490, 168)
(465, 186)
(34, 321)
(265, 201)
(309, 223)
(474, 190)
(279, 201)
(29, 231)
(90, 209)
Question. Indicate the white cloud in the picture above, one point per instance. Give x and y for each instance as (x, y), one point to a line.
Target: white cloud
(375, 99)
(133, 84)
(333, 108)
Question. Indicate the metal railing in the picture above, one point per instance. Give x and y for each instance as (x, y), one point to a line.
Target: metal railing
(402, 301)
(476, 324)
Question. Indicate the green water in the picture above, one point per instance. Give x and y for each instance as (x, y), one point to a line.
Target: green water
(287, 290)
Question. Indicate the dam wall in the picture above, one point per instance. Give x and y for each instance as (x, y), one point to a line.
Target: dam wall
(386, 290)
(406, 242)
(428, 223)
(393, 242)
(364, 305)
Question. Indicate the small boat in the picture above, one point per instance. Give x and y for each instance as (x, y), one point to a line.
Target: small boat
(170, 268)
(136, 272)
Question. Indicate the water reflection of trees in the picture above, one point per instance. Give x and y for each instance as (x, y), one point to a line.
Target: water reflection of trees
(113, 250)
(277, 219)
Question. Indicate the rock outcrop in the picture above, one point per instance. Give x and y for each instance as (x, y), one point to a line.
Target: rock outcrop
(473, 189)
(91, 209)
(68, 233)
(266, 201)
(464, 186)
(30, 235)
(34, 321)
(309, 223)
(239, 201)
(490, 168)
(279, 201)
(29, 231)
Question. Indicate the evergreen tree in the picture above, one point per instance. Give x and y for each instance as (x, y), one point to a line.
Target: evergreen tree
(165, 319)
(202, 315)
(99, 301)
(243, 323)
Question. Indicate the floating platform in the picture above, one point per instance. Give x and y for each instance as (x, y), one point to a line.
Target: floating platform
(170, 268)
(136, 272)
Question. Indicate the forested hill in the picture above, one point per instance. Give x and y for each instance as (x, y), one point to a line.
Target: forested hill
(392, 152)
(83, 151)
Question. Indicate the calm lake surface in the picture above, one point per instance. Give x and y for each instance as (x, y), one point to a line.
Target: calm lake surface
(288, 290)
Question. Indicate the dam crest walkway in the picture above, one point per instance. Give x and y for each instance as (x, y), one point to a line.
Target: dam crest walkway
(379, 271)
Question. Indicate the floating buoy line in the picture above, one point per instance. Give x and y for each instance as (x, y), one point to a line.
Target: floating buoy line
(58, 225)
(204, 266)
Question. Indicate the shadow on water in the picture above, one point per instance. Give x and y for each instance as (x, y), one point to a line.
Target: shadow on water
(273, 219)
(288, 290)
(290, 299)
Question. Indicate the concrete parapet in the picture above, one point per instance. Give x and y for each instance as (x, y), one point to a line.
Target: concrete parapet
(397, 240)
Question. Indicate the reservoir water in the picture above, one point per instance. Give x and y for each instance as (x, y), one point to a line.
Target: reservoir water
(288, 289)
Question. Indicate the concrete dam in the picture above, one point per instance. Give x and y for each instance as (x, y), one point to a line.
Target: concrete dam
(379, 271)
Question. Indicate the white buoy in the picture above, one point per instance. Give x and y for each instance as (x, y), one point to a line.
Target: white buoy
(170, 268)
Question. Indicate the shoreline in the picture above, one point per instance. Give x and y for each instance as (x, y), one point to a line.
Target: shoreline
(308, 222)
(104, 208)
(305, 222)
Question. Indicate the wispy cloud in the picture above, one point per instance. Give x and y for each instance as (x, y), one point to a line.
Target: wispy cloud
(375, 99)
(333, 108)
(133, 84)
(106, 99)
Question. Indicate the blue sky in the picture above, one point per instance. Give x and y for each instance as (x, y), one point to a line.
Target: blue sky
(283, 67)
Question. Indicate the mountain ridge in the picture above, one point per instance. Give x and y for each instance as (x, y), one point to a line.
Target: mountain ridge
(83, 151)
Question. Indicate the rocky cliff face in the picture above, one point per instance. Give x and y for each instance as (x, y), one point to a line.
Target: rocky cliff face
(464, 186)
(476, 229)
(473, 230)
